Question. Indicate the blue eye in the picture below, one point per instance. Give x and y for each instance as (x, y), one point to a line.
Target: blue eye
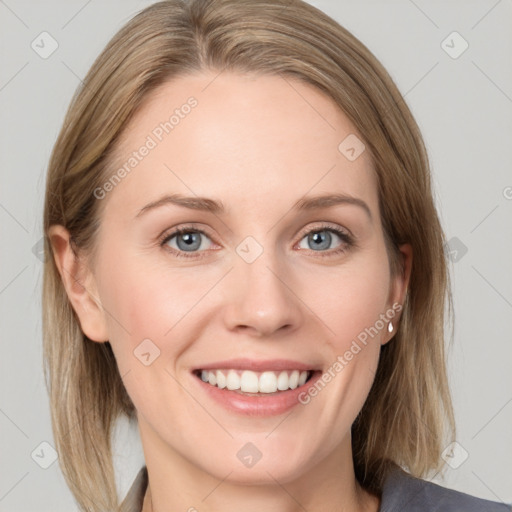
(187, 242)
(322, 239)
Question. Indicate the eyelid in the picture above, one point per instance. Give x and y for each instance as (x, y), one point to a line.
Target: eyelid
(325, 225)
(172, 232)
(343, 233)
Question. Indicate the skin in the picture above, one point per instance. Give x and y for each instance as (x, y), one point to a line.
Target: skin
(257, 144)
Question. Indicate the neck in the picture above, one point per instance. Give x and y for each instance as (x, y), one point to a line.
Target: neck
(329, 485)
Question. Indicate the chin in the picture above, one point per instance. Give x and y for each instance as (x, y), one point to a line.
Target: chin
(259, 461)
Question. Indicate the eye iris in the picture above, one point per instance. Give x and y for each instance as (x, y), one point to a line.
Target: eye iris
(192, 241)
(324, 237)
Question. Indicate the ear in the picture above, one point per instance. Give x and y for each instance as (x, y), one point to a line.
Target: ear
(398, 289)
(79, 284)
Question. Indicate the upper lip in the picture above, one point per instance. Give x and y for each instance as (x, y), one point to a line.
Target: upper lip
(255, 365)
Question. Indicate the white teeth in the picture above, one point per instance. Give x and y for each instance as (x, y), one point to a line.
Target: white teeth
(282, 381)
(294, 379)
(221, 380)
(249, 382)
(233, 380)
(253, 382)
(267, 382)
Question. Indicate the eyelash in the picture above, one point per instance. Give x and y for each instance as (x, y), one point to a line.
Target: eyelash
(347, 239)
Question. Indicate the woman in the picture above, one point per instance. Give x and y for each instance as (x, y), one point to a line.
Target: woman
(233, 209)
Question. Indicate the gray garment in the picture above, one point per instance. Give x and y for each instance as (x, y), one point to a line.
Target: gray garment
(404, 493)
(401, 493)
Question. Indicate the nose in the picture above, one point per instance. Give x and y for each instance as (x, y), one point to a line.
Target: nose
(262, 301)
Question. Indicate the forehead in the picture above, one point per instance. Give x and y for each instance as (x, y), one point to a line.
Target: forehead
(239, 137)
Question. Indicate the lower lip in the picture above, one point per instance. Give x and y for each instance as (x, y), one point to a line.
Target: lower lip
(257, 405)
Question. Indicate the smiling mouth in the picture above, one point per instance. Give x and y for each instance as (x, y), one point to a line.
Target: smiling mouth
(248, 382)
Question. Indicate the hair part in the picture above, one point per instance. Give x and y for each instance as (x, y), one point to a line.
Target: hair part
(408, 410)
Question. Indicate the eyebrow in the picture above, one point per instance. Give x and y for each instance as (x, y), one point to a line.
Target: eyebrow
(217, 207)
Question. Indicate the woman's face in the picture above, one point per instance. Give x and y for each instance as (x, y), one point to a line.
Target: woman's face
(260, 286)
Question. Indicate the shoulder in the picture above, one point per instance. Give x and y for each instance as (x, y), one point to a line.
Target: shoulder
(403, 492)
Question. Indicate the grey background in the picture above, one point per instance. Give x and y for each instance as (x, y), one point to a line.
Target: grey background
(464, 108)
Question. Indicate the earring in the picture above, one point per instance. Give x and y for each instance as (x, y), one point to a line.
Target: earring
(390, 327)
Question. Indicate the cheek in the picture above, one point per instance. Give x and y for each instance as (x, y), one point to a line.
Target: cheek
(350, 298)
(152, 302)
(143, 304)
(132, 301)
(355, 317)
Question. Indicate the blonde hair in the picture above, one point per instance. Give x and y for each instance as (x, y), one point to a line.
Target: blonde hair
(408, 410)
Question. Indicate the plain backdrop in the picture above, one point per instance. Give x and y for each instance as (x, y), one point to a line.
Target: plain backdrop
(462, 99)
